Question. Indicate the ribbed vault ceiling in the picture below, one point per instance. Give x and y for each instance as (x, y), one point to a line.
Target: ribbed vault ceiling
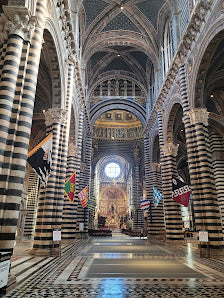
(119, 37)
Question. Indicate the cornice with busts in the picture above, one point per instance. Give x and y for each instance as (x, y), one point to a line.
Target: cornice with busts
(18, 21)
(55, 116)
(193, 29)
(170, 149)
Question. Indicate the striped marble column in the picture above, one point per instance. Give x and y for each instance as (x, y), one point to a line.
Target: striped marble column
(69, 217)
(138, 221)
(172, 210)
(206, 209)
(19, 71)
(148, 183)
(77, 166)
(85, 175)
(156, 214)
(217, 151)
(92, 194)
(49, 214)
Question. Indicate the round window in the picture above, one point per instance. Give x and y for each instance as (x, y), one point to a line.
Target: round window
(112, 170)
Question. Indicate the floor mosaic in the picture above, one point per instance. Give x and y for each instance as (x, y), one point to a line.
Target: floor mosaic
(73, 274)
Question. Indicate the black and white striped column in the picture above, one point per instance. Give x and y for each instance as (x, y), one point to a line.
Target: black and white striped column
(85, 178)
(217, 151)
(19, 72)
(69, 217)
(76, 164)
(156, 214)
(172, 212)
(49, 214)
(206, 209)
(173, 219)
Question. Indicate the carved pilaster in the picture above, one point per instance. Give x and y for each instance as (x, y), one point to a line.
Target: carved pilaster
(198, 116)
(55, 115)
(170, 149)
(19, 22)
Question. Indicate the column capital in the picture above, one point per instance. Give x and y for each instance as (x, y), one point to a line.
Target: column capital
(82, 165)
(155, 167)
(170, 149)
(198, 115)
(55, 115)
(19, 22)
(72, 150)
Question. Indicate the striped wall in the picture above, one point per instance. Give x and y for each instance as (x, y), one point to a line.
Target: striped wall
(19, 71)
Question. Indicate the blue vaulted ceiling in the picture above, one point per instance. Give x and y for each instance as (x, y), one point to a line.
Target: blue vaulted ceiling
(150, 8)
(121, 22)
(92, 9)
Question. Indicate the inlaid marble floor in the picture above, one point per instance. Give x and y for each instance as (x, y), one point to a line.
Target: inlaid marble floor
(120, 266)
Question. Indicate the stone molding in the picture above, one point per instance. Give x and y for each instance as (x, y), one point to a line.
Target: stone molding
(170, 149)
(19, 22)
(66, 24)
(198, 116)
(55, 115)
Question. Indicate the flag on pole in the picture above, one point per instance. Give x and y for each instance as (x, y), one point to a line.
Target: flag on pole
(144, 204)
(181, 191)
(83, 196)
(70, 187)
(91, 203)
(156, 197)
(40, 159)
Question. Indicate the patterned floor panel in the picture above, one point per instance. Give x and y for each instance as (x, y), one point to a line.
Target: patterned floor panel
(69, 275)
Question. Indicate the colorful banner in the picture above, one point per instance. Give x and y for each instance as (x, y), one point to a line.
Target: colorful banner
(40, 159)
(181, 191)
(70, 187)
(91, 203)
(83, 196)
(156, 197)
(144, 204)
